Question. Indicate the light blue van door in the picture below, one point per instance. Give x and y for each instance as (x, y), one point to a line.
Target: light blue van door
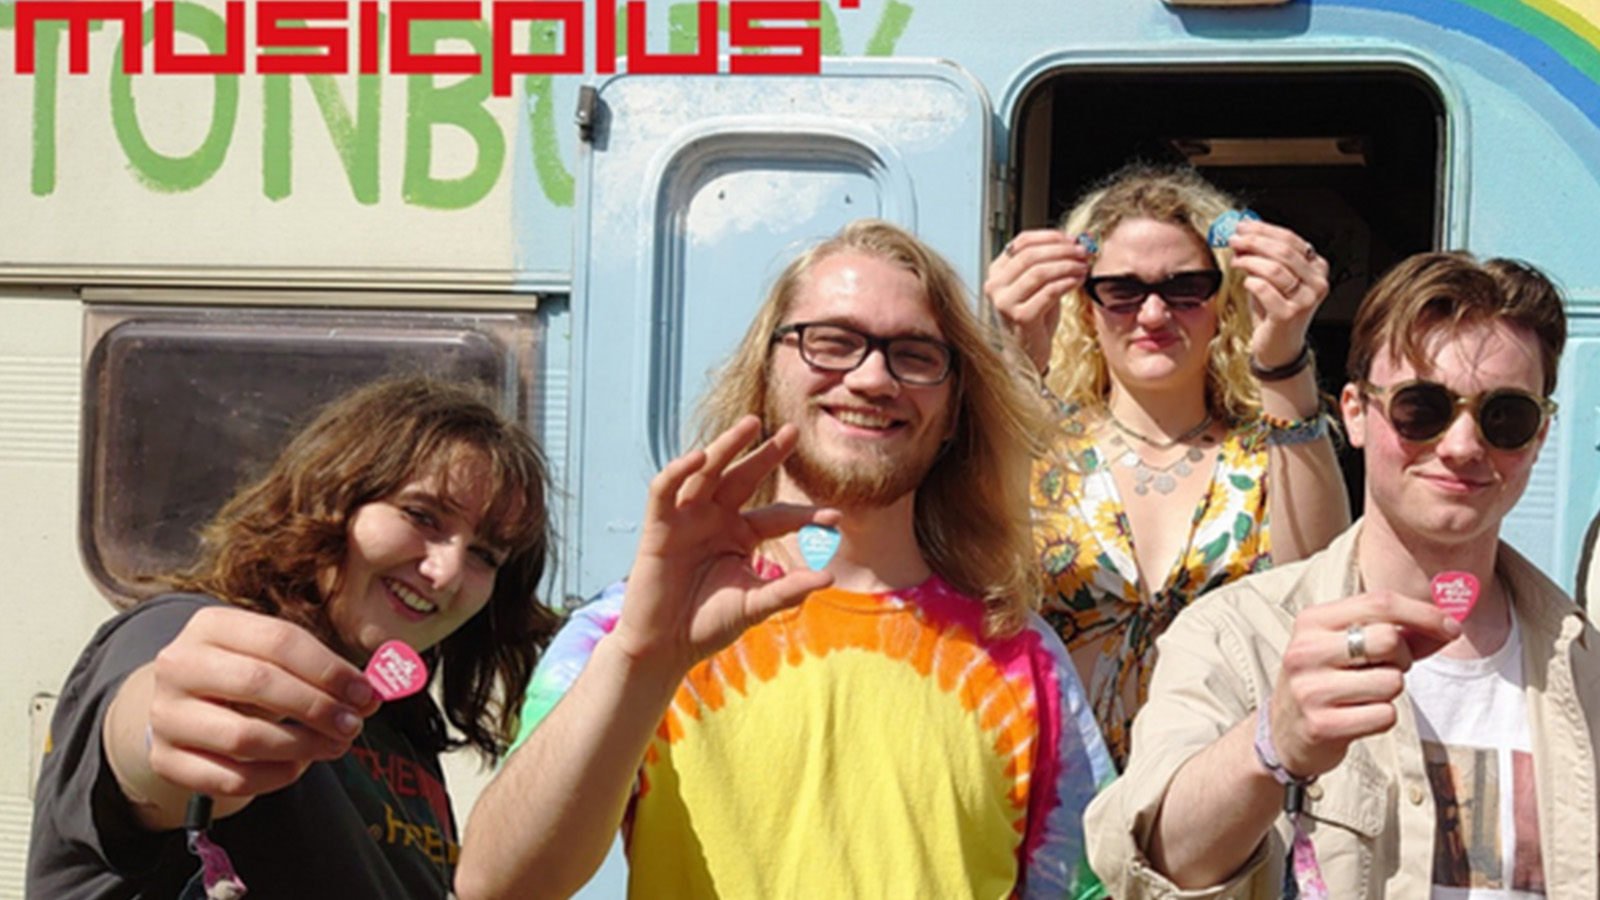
(693, 193)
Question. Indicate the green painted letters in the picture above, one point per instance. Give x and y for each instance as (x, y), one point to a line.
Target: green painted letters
(429, 106)
(173, 174)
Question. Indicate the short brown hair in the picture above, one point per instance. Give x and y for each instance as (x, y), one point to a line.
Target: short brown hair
(1451, 290)
(267, 547)
(971, 515)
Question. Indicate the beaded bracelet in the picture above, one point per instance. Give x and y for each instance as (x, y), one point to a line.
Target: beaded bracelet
(1288, 432)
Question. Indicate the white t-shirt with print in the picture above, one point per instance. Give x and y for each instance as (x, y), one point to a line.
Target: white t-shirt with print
(1473, 718)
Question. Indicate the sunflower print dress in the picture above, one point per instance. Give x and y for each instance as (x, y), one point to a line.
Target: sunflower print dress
(1093, 595)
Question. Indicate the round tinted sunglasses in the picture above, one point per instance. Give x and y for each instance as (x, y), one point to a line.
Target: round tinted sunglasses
(1181, 291)
(1421, 411)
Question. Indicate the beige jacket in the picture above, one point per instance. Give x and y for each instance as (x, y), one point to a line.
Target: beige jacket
(1372, 818)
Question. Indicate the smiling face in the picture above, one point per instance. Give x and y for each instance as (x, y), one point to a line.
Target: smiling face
(1458, 489)
(1156, 345)
(416, 568)
(866, 439)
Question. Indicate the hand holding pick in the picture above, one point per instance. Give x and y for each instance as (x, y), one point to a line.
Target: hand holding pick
(1286, 279)
(1342, 669)
(692, 590)
(241, 703)
(1026, 282)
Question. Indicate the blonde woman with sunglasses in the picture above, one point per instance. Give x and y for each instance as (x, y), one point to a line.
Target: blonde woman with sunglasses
(1171, 334)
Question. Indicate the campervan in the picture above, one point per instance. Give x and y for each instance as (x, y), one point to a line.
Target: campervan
(216, 214)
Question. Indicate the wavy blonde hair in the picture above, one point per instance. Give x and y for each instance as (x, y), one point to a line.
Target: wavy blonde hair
(971, 519)
(1176, 195)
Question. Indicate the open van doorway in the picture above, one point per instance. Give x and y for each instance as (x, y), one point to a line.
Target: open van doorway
(1353, 159)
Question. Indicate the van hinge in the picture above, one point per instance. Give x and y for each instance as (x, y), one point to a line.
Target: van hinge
(588, 101)
(1000, 204)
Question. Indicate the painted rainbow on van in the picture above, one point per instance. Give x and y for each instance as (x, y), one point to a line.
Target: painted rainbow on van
(1557, 42)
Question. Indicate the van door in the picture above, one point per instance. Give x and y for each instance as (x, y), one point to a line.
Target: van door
(1353, 156)
(694, 192)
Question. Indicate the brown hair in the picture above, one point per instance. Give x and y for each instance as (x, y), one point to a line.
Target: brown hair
(1432, 291)
(1178, 196)
(267, 547)
(971, 514)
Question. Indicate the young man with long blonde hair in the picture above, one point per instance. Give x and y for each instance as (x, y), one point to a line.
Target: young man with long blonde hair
(889, 718)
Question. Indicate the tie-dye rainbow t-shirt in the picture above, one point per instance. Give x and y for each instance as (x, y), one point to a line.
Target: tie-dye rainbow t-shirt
(859, 745)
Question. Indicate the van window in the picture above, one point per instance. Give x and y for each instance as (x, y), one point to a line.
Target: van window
(183, 405)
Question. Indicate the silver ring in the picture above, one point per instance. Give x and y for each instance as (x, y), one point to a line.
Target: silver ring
(1355, 644)
(1011, 250)
(1311, 251)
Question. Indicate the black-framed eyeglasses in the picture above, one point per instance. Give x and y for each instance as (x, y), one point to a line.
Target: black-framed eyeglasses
(1422, 411)
(840, 348)
(1123, 295)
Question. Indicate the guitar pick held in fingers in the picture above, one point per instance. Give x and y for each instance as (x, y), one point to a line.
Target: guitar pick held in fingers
(818, 544)
(396, 671)
(1455, 593)
(1223, 227)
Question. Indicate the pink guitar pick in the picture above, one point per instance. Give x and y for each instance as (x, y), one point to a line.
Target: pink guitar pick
(396, 671)
(1455, 593)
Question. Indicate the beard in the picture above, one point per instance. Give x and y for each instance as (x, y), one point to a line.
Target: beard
(872, 483)
(866, 480)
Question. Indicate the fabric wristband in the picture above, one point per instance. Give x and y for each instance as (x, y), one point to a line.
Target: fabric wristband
(1289, 432)
(1302, 876)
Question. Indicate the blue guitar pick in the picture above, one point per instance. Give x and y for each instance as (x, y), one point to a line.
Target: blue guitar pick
(1087, 242)
(1226, 224)
(818, 543)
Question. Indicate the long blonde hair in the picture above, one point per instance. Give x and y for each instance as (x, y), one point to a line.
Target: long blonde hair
(1176, 195)
(971, 518)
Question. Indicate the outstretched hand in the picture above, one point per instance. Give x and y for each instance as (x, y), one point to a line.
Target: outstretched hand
(238, 704)
(1287, 280)
(1026, 282)
(692, 590)
(1342, 670)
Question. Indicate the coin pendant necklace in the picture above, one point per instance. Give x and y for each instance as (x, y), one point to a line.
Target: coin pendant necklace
(1161, 479)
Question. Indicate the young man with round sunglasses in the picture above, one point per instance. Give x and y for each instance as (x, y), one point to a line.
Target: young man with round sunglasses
(1366, 723)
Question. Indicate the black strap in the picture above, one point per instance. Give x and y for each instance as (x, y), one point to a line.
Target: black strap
(1585, 560)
